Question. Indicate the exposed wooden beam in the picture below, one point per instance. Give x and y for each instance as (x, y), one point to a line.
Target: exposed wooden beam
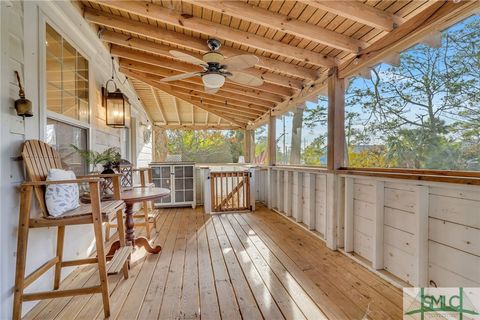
(436, 16)
(228, 86)
(360, 12)
(336, 121)
(205, 97)
(185, 98)
(283, 23)
(199, 45)
(158, 103)
(175, 105)
(249, 146)
(199, 88)
(272, 142)
(198, 126)
(224, 104)
(251, 115)
(193, 114)
(177, 19)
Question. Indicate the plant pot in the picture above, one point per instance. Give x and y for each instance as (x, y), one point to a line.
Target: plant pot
(107, 169)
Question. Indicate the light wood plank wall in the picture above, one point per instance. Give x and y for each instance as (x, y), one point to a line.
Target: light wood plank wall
(430, 232)
(301, 195)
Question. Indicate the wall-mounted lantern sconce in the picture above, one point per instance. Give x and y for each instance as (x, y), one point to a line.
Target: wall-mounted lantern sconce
(22, 106)
(116, 104)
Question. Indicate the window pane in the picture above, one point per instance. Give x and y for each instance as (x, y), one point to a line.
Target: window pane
(61, 136)
(313, 133)
(302, 135)
(424, 113)
(261, 148)
(67, 78)
(205, 146)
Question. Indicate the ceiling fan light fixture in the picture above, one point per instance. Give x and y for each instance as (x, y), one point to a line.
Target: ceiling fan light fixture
(213, 57)
(213, 80)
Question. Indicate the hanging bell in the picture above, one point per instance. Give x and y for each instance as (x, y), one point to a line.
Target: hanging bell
(23, 106)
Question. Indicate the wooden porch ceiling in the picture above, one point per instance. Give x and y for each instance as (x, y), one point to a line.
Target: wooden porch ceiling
(296, 41)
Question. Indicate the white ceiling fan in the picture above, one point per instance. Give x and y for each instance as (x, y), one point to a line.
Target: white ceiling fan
(217, 68)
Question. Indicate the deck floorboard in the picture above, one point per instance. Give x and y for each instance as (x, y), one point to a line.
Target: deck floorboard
(232, 266)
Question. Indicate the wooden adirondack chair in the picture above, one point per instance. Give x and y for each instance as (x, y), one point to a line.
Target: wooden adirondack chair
(39, 157)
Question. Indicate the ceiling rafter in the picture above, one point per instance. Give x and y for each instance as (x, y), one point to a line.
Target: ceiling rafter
(228, 87)
(267, 65)
(167, 89)
(175, 105)
(360, 12)
(283, 23)
(212, 126)
(177, 19)
(200, 88)
(159, 105)
(202, 96)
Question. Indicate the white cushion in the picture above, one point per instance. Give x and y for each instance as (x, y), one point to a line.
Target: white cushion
(61, 198)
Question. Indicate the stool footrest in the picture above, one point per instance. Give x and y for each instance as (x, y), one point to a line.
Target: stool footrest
(119, 258)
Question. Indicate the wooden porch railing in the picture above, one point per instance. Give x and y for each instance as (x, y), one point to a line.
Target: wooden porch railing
(230, 191)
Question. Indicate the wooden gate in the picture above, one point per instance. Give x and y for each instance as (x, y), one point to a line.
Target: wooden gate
(230, 191)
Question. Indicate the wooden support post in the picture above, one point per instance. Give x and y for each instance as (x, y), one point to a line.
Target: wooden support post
(207, 190)
(279, 196)
(349, 188)
(272, 190)
(248, 139)
(253, 188)
(287, 193)
(297, 203)
(309, 200)
(421, 237)
(336, 120)
(377, 259)
(333, 207)
(272, 142)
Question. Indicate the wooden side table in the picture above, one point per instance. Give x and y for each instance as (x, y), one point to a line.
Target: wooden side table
(131, 197)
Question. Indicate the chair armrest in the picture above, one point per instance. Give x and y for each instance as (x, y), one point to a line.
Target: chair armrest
(44, 183)
(100, 175)
(141, 169)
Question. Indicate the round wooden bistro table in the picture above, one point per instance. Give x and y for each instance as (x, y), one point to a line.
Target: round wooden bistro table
(131, 197)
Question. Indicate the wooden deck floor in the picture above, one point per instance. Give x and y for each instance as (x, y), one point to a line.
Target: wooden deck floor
(232, 266)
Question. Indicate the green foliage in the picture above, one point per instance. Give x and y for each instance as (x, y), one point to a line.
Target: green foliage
(425, 112)
(314, 151)
(206, 146)
(109, 156)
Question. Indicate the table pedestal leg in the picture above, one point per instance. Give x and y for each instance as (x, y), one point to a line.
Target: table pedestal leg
(130, 236)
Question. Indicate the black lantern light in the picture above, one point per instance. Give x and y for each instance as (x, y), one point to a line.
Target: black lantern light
(116, 104)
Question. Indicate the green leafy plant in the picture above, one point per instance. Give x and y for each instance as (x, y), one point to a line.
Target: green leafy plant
(109, 157)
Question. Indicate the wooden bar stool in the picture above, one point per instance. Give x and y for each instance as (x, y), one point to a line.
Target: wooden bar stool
(39, 157)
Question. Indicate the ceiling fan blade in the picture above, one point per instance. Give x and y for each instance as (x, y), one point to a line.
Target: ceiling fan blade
(180, 76)
(211, 90)
(245, 79)
(186, 57)
(241, 62)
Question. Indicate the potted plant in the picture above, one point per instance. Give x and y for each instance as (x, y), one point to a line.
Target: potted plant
(109, 158)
